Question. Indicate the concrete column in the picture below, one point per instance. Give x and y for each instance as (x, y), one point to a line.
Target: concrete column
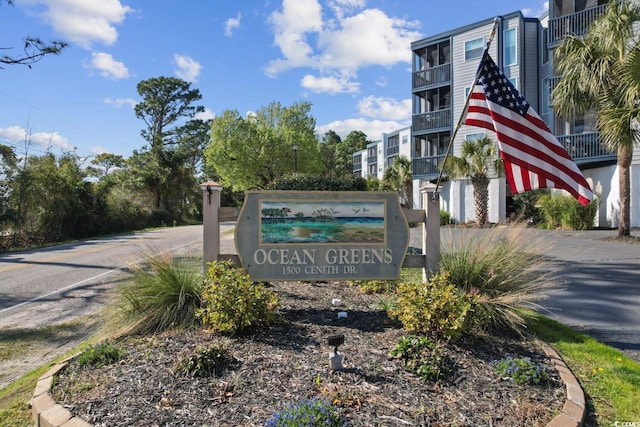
(210, 224)
(430, 230)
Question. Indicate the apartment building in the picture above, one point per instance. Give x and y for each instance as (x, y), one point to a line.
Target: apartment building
(379, 155)
(444, 67)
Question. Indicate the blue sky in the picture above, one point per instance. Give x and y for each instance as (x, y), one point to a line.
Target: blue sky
(350, 59)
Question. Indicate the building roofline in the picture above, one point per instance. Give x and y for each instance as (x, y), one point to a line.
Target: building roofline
(447, 34)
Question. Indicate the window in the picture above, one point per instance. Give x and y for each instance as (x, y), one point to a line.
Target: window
(514, 82)
(510, 47)
(472, 136)
(405, 139)
(473, 48)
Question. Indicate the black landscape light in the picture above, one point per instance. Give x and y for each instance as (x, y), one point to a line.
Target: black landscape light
(295, 157)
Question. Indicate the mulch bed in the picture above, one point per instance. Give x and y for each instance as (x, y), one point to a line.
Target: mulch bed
(290, 361)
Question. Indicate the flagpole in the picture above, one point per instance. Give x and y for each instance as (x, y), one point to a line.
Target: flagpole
(492, 35)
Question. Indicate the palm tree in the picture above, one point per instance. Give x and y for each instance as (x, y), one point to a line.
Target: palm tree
(599, 71)
(478, 159)
(399, 178)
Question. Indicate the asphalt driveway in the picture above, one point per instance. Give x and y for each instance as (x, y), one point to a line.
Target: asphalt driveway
(600, 293)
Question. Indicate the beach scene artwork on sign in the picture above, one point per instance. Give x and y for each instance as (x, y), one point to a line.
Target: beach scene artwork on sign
(322, 222)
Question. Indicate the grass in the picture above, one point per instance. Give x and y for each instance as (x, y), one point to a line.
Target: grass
(610, 380)
(14, 398)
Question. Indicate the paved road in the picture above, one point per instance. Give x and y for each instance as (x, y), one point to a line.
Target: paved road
(51, 285)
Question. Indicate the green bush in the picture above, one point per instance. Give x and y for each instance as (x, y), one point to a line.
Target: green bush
(563, 211)
(376, 286)
(502, 267)
(205, 361)
(101, 354)
(233, 303)
(165, 294)
(436, 308)
(445, 217)
(319, 183)
(308, 412)
(423, 357)
(521, 370)
(526, 207)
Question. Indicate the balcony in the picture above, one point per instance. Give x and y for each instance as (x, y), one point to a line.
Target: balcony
(432, 76)
(585, 148)
(393, 150)
(427, 166)
(576, 24)
(440, 119)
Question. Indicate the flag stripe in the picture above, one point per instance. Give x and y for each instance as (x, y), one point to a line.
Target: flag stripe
(532, 155)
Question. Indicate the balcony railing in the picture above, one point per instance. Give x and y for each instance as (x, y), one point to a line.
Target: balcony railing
(432, 76)
(372, 159)
(432, 120)
(583, 147)
(424, 166)
(393, 150)
(576, 23)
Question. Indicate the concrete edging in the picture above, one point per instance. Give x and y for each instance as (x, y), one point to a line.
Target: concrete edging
(575, 407)
(47, 413)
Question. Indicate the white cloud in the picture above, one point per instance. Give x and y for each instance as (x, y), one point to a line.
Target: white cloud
(47, 140)
(82, 21)
(205, 115)
(372, 128)
(536, 13)
(348, 39)
(385, 108)
(231, 24)
(121, 102)
(107, 66)
(329, 84)
(188, 68)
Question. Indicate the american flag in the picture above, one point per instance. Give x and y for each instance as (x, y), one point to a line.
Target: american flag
(532, 156)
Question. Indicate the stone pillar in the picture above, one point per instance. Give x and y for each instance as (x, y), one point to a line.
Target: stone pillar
(210, 224)
(430, 230)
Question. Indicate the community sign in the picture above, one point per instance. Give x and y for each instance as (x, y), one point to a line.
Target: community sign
(318, 235)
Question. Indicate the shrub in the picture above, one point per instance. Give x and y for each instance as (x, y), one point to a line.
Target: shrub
(102, 354)
(521, 370)
(233, 303)
(563, 211)
(445, 217)
(165, 293)
(376, 286)
(308, 412)
(319, 183)
(423, 357)
(436, 308)
(501, 268)
(205, 361)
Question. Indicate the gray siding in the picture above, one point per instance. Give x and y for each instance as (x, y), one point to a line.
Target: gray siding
(531, 54)
(464, 75)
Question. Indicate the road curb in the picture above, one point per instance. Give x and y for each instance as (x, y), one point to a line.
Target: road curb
(575, 407)
(47, 413)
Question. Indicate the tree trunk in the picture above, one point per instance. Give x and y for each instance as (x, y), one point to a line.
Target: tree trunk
(624, 181)
(481, 199)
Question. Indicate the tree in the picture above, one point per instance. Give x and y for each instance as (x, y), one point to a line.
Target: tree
(249, 153)
(355, 141)
(328, 151)
(166, 109)
(479, 158)
(34, 50)
(104, 163)
(399, 178)
(599, 71)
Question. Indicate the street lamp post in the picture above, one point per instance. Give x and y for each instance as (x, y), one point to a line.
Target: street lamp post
(295, 157)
